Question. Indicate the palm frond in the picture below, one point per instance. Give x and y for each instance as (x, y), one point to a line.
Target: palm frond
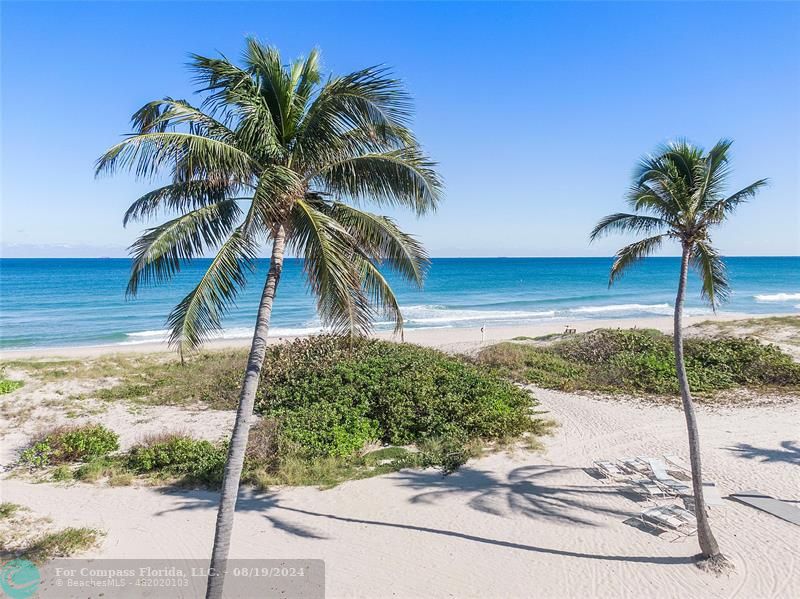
(274, 84)
(330, 269)
(714, 174)
(382, 240)
(237, 92)
(160, 251)
(227, 82)
(404, 177)
(200, 313)
(160, 115)
(148, 153)
(179, 197)
(666, 175)
(378, 291)
(305, 78)
(622, 222)
(717, 211)
(713, 274)
(632, 253)
(368, 101)
(368, 96)
(651, 197)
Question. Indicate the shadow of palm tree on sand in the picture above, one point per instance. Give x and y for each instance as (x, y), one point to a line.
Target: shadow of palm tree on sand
(788, 453)
(531, 491)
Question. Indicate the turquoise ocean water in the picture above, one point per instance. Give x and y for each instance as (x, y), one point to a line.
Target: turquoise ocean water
(63, 302)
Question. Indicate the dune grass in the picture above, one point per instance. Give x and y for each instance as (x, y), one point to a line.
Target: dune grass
(783, 328)
(8, 509)
(635, 361)
(210, 378)
(62, 543)
(25, 535)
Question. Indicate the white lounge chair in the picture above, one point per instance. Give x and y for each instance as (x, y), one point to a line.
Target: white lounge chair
(710, 489)
(670, 518)
(636, 466)
(648, 488)
(609, 469)
(663, 479)
(678, 463)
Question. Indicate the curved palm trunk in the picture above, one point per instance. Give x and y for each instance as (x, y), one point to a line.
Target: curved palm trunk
(241, 427)
(708, 544)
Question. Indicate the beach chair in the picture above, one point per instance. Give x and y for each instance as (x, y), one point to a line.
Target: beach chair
(609, 469)
(664, 480)
(636, 466)
(647, 488)
(671, 518)
(678, 463)
(710, 489)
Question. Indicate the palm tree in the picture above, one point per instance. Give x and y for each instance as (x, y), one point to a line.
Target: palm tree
(679, 193)
(275, 155)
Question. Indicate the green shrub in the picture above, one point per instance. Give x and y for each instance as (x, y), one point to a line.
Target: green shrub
(70, 444)
(448, 453)
(331, 396)
(178, 455)
(643, 360)
(7, 385)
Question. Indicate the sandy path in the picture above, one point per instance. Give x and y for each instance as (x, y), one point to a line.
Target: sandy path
(526, 525)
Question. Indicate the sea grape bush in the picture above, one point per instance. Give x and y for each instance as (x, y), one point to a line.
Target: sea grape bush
(70, 444)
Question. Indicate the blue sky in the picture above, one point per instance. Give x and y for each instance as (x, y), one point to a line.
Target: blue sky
(535, 111)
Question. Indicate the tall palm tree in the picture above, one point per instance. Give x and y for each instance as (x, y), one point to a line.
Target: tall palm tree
(275, 155)
(679, 194)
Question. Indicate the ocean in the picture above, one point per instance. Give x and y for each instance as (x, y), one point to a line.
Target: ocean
(68, 302)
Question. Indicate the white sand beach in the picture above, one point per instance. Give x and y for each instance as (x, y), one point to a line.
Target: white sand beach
(509, 525)
(513, 524)
(446, 338)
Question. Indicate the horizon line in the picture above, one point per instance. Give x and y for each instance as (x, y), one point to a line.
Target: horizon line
(431, 257)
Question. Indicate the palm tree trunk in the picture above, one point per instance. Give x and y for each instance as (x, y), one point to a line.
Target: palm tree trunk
(241, 427)
(708, 544)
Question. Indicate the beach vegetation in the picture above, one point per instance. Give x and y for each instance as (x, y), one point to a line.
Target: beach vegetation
(62, 543)
(328, 471)
(8, 509)
(679, 194)
(70, 444)
(8, 385)
(784, 330)
(50, 370)
(335, 409)
(635, 361)
(102, 467)
(62, 473)
(194, 461)
(331, 396)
